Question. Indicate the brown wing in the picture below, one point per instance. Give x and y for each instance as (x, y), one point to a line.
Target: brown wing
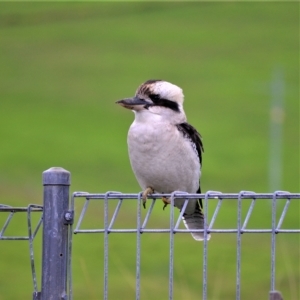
(194, 136)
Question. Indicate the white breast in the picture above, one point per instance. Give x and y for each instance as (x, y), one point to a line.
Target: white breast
(162, 158)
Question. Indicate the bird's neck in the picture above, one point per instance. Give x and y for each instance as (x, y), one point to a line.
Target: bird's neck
(156, 114)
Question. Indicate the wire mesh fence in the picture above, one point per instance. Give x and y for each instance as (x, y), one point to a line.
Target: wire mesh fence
(11, 213)
(57, 216)
(143, 228)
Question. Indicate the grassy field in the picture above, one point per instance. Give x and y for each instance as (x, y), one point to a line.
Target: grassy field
(62, 67)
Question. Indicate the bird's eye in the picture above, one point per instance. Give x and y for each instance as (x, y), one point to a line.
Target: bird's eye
(154, 97)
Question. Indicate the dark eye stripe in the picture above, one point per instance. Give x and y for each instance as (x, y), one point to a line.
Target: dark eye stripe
(157, 101)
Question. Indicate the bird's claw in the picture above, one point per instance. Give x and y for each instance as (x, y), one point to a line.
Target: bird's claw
(146, 192)
(166, 201)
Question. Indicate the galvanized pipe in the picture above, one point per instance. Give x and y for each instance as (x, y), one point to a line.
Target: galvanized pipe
(56, 183)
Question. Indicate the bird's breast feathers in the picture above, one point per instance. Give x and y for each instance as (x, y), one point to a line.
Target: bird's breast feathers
(163, 158)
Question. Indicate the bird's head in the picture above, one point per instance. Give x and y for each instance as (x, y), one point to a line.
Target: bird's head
(156, 96)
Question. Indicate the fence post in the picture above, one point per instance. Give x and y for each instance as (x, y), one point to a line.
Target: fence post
(275, 295)
(56, 183)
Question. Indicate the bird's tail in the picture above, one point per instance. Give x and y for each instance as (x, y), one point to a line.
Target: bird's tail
(195, 220)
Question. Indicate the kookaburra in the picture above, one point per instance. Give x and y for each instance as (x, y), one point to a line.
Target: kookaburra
(164, 150)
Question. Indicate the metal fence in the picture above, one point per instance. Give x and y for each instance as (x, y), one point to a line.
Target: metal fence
(58, 218)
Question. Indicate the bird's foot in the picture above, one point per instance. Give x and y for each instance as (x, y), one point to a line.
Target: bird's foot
(166, 201)
(146, 192)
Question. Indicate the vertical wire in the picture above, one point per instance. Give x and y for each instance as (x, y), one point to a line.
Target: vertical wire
(70, 242)
(106, 246)
(138, 249)
(238, 263)
(273, 242)
(30, 239)
(171, 247)
(204, 291)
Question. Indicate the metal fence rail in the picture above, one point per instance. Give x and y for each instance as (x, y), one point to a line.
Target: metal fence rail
(58, 218)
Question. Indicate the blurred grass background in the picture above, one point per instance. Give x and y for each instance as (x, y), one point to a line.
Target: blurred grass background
(62, 67)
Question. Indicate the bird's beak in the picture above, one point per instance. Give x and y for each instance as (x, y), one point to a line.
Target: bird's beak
(134, 103)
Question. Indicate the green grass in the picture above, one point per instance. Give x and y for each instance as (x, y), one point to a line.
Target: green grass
(62, 67)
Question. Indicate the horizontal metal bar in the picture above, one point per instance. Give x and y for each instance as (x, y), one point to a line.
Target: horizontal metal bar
(287, 231)
(213, 195)
(14, 238)
(186, 231)
(103, 230)
(19, 209)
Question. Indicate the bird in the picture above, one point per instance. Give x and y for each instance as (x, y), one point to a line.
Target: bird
(165, 151)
